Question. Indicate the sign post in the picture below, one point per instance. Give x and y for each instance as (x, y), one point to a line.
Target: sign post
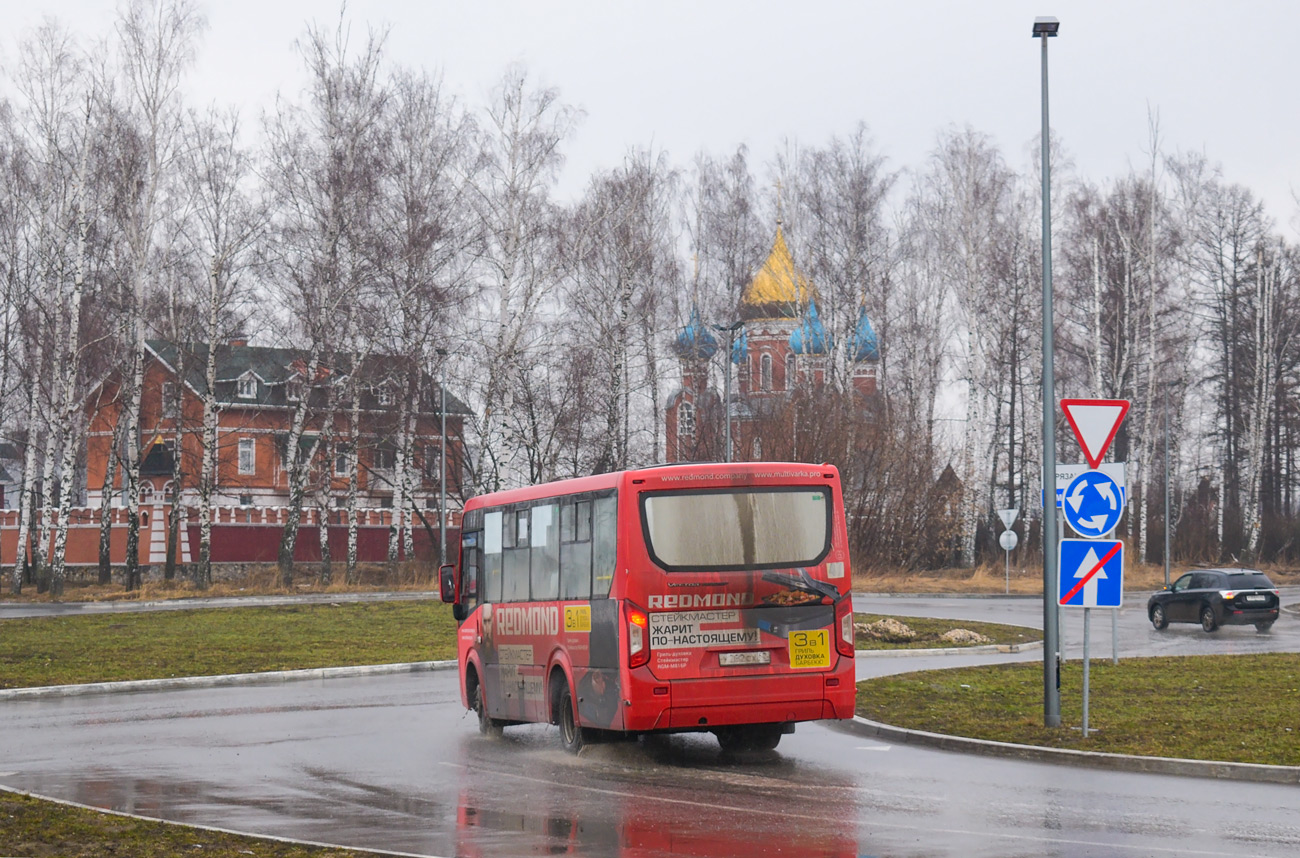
(1092, 568)
(1008, 539)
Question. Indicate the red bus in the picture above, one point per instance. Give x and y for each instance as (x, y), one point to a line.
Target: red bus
(680, 598)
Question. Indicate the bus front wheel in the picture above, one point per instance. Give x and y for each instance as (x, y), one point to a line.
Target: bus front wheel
(487, 725)
(571, 734)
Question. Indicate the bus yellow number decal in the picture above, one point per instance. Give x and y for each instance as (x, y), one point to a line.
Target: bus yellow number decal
(577, 618)
(810, 649)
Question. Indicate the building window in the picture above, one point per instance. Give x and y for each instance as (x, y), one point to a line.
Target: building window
(686, 418)
(789, 372)
(765, 372)
(293, 389)
(245, 500)
(385, 457)
(384, 395)
(169, 410)
(432, 463)
(343, 459)
(247, 388)
(247, 456)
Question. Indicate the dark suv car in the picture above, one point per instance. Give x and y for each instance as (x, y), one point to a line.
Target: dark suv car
(1216, 597)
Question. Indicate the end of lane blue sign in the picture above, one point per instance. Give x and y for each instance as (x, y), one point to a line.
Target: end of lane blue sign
(1091, 573)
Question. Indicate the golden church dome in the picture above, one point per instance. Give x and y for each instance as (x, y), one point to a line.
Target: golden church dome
(778, 290)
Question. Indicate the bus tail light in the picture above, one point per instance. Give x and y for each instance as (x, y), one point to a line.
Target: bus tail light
(638, 637)
(844, 618)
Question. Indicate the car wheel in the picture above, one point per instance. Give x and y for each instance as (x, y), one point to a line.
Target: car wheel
(487, 725)
(1264, 627)
(1158, 618)
(1208, 623)
(571, 734)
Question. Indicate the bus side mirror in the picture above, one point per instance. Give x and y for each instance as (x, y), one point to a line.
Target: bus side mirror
(447, 583)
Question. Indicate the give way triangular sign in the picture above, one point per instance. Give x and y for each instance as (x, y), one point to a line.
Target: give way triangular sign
(1095, 422)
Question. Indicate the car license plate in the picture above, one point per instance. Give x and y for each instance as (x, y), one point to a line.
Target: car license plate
(1256, 598)
(733, 659)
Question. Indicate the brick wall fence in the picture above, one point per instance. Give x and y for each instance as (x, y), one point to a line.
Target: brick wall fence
(240, 534)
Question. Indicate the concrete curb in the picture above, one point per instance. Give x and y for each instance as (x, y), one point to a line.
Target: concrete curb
(274, 677)
(949, 650)
(1088, 759)
(189, 603)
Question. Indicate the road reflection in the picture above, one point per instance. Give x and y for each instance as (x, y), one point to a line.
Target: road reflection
(676, 795)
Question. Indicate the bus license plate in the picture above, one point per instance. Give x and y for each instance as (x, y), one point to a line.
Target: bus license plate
(732, 659)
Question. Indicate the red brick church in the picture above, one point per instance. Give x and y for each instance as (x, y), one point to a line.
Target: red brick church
(779, 350)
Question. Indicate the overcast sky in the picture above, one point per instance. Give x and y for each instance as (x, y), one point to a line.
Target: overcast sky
(686, 76)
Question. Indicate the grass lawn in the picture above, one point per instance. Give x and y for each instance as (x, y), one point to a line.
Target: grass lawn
(161, 644)
(929, 632)
(34, 827)
(1243, 708)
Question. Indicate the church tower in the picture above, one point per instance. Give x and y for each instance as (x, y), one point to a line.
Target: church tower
(771, 307)
(691, 412)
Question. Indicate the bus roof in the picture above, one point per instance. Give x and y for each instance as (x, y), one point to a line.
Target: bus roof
(704, 472)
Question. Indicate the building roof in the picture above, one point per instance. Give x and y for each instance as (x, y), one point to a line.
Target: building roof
(810, 338)
(864, 345)
(694, 342)
(779, 290)
(274, 368)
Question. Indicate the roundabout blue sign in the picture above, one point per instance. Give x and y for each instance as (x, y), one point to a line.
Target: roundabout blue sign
(1093, 504)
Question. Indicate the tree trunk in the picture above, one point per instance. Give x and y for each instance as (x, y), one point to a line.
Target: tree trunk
(106, 505)
(298, 468)
(22, 552)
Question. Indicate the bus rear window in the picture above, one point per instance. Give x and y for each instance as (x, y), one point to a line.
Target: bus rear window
(742, 529)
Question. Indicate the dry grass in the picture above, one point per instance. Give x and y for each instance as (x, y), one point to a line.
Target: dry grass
(247, 580)
(1026, 580)
(264, 580)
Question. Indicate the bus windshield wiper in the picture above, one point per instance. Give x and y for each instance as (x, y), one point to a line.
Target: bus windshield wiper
(803, 581)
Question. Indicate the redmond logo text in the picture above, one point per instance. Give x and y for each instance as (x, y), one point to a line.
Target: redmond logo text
(537, 620)
(701, 600)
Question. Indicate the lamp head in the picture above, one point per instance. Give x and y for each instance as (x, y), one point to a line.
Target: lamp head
(1046, 26)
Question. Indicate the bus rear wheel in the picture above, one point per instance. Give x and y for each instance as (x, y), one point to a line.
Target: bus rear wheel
(571, 732)
(752, 737)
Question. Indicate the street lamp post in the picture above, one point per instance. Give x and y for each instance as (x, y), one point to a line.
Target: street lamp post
(442, 456)
(1166, 484)
(730, 331)
(1045, 28)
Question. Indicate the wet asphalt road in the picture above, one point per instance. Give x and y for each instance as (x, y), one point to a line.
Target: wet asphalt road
(392, 762)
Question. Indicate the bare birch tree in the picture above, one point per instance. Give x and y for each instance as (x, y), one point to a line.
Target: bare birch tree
(157, 46)
(224, 224)
(326, 159)
(522, 133)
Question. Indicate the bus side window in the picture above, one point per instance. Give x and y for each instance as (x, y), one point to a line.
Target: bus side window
(604, 529)
(470, 563)
(492, 556)
(575, 555)
(546, 552)
(515, 587)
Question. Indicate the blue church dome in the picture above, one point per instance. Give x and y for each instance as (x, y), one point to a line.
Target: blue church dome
(740, 348)
(694, 342)
(810, 338)
(863, 344)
